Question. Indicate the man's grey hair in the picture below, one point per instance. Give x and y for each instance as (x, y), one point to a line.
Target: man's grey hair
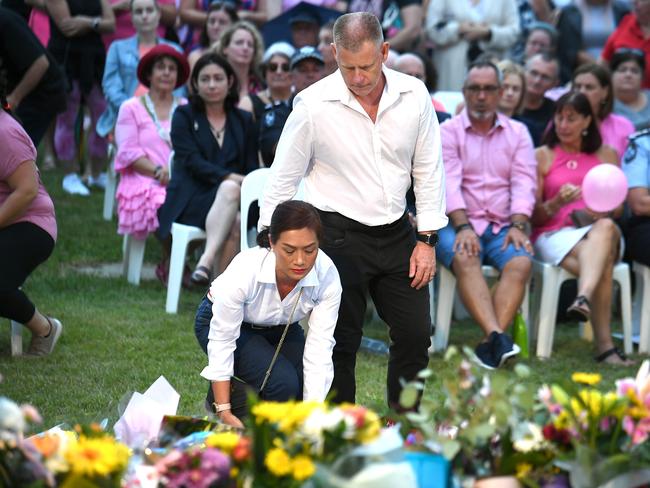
(547, 58)
(484, 64)
(352, 30)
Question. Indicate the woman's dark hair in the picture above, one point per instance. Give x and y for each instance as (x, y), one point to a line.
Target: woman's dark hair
(604, 77)
(626, 54)
(220, 5)
(232, 98)
(4, 104)
(579, 102)
(291, 215)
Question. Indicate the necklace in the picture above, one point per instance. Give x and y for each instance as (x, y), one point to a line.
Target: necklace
(218, 133)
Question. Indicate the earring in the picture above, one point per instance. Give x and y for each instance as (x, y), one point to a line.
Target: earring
(584, 133)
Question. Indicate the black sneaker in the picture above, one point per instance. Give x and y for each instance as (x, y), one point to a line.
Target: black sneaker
(484, 352)
(503, 348)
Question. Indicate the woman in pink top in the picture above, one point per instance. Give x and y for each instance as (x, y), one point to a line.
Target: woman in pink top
(144, 144)
(595, 82)
(573, 146)
(27, 230)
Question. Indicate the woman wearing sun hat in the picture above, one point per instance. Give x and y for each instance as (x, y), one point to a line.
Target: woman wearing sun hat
(144, 144)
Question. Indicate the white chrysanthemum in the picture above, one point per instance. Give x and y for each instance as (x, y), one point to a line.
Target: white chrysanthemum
(12, 421)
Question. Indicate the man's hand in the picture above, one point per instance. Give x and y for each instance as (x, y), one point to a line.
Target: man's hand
(228, 418)
(422, 265)
(467, 242)
(518, 239)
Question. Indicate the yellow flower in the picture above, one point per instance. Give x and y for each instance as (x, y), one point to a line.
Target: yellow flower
(224, 441)
(272, 412)
(278, 462)
(99, 456)
(297, 415)
(234, 471)
(586, 378)
(523, 469)
(303, 467)
(563, 420)
(371, 429)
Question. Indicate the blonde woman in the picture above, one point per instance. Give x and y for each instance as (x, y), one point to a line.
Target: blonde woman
(242, 46)
(514, 87)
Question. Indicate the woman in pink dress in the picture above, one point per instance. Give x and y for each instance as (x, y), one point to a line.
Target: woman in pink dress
(595, 82)
(572, 146)
(143, 141)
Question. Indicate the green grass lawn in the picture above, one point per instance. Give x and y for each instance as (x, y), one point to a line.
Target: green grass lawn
(117, 337)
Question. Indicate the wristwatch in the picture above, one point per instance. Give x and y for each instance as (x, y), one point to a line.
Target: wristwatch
(430, 238)
(95, 23)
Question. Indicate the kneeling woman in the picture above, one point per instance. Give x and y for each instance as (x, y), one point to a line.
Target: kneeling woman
(241, 321)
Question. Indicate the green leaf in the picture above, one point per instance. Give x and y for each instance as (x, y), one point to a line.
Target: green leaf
(560, 395)
(450, 448)
(409, 396)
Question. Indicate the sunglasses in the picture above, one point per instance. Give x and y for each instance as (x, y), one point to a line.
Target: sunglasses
(630, 50)
(273, 67)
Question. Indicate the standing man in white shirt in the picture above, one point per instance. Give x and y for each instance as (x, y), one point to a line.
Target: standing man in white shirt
(357, 137)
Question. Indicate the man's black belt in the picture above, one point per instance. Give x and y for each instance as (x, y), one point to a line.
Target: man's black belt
(334, 219)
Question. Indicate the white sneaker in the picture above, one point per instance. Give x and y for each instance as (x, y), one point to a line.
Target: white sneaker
(73, 185)
(99, 182)
(42, 346)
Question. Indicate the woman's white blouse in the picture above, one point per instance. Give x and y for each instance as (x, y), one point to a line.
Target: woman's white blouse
(247, 292)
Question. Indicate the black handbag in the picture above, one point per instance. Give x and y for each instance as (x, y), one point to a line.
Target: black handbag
(240, 391)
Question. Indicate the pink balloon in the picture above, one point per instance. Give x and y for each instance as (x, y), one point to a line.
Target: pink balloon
(604, 188)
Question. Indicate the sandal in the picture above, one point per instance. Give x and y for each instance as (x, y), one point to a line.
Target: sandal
(579, 310)
(162, 273)
(201, 276)
(610, 352)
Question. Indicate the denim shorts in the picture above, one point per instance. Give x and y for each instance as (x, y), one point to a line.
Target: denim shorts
(490, 253)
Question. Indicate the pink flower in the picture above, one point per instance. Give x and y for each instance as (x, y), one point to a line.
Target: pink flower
(624, 386)
(31, 414)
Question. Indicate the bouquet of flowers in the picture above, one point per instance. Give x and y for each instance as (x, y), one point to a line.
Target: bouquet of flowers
(599, 434)
(482, 422)
(289, 439)
(87, 456)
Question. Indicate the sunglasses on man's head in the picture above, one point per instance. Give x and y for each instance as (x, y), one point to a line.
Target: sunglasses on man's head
(274, 67)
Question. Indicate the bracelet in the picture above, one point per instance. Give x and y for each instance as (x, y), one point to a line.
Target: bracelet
(221, 407)
(547, 210)
(521, 225)
(464, 226)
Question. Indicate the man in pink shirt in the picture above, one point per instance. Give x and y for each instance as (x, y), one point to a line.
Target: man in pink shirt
(490, 180)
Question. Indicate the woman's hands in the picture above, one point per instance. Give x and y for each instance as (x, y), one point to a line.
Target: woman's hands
(568, 193)
(228, 418)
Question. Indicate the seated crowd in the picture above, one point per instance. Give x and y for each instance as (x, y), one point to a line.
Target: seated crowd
(192, 109)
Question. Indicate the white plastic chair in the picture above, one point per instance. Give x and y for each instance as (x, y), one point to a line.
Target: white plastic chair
(548, 281)
(16, 338)
(133, 257)
(182, 235)
(445, 305)
(450, 100)
(252, 188)
(111, 184)
(641, 309)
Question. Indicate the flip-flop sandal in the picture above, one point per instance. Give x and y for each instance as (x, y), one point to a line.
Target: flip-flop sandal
(201, 276)
(579, 310)
(610, 352)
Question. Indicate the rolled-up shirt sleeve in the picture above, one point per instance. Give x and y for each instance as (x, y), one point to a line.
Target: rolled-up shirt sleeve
(523, 177)
(229, 295)
(635, 165)
(453, 166)
(318, 368)
(428, 171)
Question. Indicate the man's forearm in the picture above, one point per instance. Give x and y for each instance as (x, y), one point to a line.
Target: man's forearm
(30, 80)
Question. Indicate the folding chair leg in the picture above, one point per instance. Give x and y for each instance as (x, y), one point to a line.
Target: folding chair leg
(547, 310)
(176, 265)
(16, 338)
(446, 292)
(626, 311)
